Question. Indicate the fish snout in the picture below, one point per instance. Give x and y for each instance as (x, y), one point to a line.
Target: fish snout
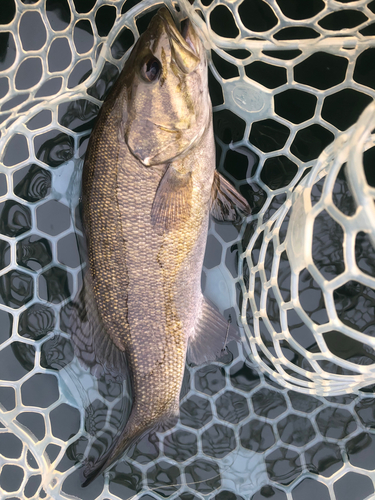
(184, 44)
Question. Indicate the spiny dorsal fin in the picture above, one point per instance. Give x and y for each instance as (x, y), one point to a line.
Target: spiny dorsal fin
(212, 334)
(172, 202)
(226, 202)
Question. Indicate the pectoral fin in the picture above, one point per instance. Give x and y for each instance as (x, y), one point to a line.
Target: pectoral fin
(212, 334)
(226, 202)
(172, 202)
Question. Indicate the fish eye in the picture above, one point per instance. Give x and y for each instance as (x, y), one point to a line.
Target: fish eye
(151, 69)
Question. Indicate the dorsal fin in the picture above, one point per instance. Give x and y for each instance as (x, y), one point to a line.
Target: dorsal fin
(92, 345)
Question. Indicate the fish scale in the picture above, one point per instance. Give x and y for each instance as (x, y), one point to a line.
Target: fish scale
(147, 190)
(307, 67)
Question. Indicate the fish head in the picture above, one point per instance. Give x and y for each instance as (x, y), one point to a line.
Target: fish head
(168, 103)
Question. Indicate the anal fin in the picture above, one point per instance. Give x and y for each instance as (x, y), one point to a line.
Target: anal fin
(226, 202)
(212, 334)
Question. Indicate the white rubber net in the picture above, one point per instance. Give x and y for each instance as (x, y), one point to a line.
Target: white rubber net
(290, 414)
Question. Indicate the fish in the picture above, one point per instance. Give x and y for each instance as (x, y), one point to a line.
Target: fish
(149, 185)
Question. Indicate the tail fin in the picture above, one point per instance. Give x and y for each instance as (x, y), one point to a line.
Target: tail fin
(125, 440)
(131, 434)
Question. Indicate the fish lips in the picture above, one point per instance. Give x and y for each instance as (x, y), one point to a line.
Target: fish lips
(185, 59)
(185, 46)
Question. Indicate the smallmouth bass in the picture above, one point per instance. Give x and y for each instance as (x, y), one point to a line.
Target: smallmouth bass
(149, 183)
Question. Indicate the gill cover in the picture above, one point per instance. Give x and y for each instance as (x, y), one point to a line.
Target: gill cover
(168, 105)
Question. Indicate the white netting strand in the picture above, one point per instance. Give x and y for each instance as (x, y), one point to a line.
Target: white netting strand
(319, 368)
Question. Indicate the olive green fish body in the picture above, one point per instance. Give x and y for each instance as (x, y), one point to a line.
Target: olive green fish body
(164, 270)
(148, 184)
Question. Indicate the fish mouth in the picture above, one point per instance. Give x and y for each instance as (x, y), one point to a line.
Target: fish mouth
(184, 42)
(171, 26)
(186, 28)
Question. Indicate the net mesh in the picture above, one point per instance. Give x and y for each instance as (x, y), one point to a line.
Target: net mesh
(293, 413)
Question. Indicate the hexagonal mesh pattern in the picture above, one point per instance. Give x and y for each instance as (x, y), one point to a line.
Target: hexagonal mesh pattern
(289, 81)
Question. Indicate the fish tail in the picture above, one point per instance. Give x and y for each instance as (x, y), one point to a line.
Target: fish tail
(129, 436)
(91, 472)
